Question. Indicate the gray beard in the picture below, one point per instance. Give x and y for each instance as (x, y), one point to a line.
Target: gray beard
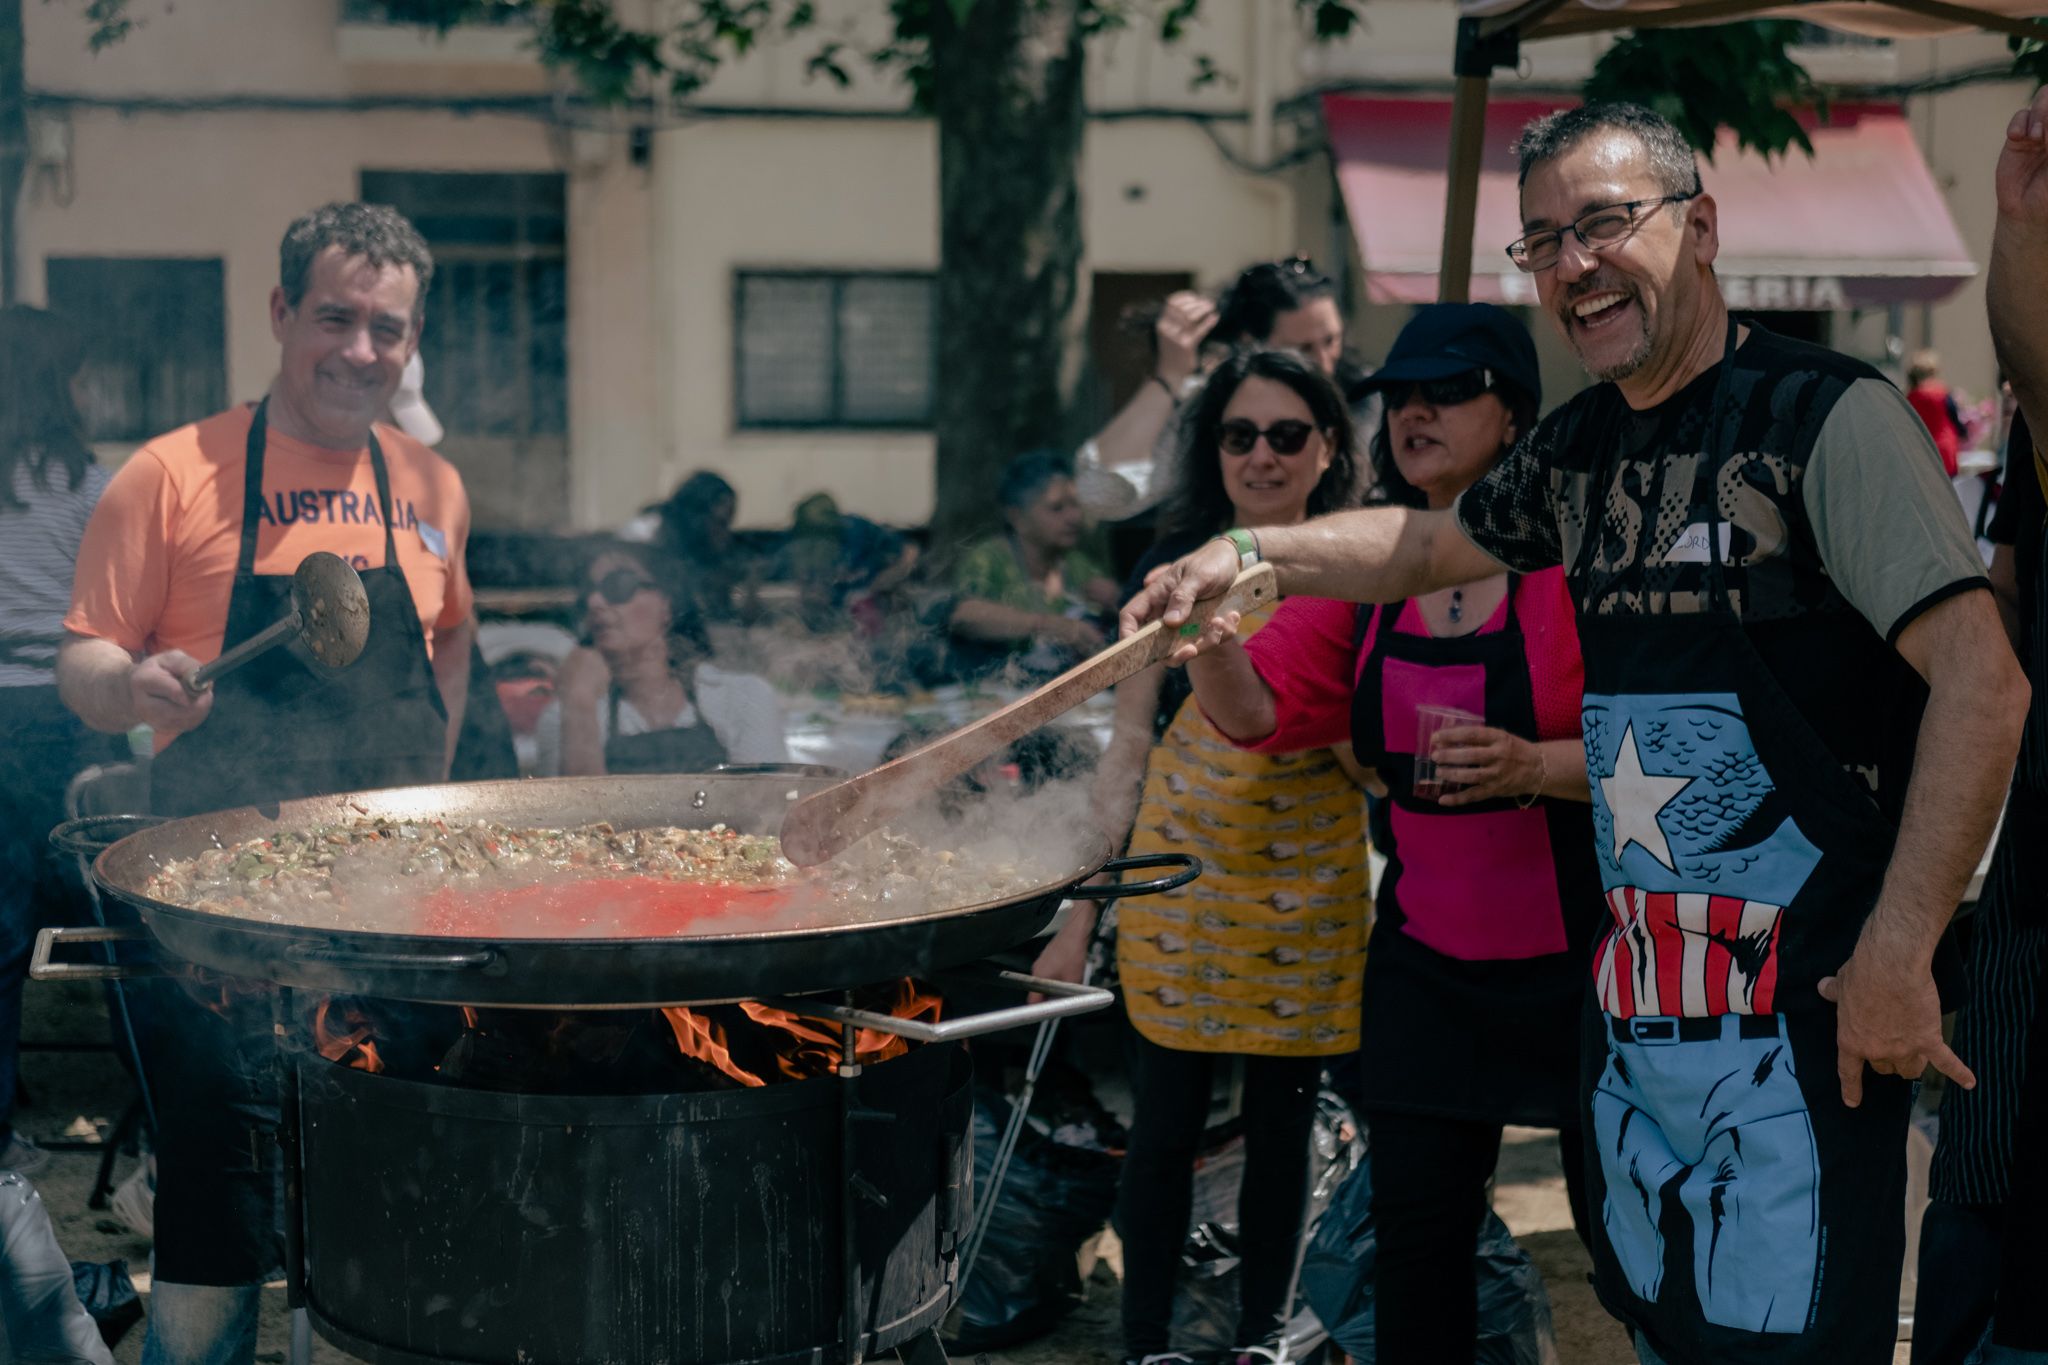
(1625, 367)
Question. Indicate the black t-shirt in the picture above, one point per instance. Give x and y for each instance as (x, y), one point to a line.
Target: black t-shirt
(1833, 506)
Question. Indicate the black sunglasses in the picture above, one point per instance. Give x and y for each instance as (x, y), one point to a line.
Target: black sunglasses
(619, 586)
(1447, 392)
(1238, 436)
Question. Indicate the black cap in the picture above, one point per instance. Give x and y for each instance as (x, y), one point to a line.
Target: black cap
(1444, 339)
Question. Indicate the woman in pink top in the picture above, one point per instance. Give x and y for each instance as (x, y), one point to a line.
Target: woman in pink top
(1490, 897)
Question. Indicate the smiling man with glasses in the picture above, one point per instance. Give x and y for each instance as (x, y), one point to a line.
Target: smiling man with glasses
(1800, 717)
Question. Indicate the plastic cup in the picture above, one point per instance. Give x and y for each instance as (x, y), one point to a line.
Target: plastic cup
(1429, 782)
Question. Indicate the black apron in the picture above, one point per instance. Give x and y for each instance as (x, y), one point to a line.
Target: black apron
(1744, 1213)
(679, 749)
(281, 727)
(1474, 982)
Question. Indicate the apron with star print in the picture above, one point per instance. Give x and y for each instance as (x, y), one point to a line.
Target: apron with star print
(1742, 1211)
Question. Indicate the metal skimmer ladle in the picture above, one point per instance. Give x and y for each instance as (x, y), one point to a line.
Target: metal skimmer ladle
(330, 612)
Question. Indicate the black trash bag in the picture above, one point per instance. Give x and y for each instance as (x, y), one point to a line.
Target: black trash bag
(1055, 1198)
(108, 1295)
(1205, 1307)
(1514, 1308)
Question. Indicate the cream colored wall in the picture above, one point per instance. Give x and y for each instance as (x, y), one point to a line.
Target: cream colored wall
(1961, 131)
(781, 193)
(734, 194)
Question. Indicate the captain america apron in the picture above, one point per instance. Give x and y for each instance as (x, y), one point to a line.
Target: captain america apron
(1742, 1211)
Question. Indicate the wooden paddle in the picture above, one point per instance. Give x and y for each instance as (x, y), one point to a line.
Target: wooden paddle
(822, 825)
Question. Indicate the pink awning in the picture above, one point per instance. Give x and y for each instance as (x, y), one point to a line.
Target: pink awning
(1873, 18)
(1861, 224)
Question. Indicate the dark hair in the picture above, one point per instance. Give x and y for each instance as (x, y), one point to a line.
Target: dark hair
(670, 577)
(40, 355)
(1027, 476)
(378, 233)
(1389, 485)
(684, 512)
(1200, 505)
(1250, 308)
(1669, 154)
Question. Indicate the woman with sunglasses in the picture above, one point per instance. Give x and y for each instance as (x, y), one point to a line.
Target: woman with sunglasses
(1286, 305)
(1488, 904)
(1262, 957)
(641, 695)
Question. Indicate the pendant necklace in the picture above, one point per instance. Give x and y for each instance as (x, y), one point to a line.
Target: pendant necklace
(1457, 605)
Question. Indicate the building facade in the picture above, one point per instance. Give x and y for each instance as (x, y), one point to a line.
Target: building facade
(745, 286)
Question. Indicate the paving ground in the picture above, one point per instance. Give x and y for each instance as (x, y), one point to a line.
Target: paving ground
(73, 1091)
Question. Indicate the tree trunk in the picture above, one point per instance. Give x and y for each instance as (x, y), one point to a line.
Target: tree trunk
(1007, 91)
(13, 146)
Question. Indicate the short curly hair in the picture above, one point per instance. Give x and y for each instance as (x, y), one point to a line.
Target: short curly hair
(378, 233)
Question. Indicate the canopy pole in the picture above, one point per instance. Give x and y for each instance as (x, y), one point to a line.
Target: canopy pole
(1461, 205)
(1480, 53)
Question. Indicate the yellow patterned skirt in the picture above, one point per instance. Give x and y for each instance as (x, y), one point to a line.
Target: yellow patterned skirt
(1264, 954)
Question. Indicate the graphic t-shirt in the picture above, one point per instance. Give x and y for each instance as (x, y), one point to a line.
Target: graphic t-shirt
(1833, 504)
(157, 564)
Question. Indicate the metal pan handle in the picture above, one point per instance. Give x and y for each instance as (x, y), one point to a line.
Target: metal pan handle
(1186, 869)
(1062, 998)
(48, 941)
(90, 835)
(487, 960)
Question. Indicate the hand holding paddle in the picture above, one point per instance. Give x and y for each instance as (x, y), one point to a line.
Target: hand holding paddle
(821, 826)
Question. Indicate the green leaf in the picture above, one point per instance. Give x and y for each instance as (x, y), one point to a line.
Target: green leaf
(961, 9)
(1735, 76)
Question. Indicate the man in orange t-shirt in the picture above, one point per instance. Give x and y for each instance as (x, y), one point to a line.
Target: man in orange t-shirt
(191, 550)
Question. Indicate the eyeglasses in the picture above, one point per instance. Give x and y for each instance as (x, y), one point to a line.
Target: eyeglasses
(619, 586)
(1599, 230)
(1238, 436)
(1447, 392)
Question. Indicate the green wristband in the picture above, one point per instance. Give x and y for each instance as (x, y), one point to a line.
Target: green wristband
(1246, 544)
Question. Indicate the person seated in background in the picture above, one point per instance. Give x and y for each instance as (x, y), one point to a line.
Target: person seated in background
(845, 566)
(641, 694)
(1031, 597)
(693, 529)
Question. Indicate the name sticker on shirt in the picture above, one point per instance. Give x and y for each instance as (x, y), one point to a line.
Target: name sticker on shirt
(1689, 548)
(432, 538)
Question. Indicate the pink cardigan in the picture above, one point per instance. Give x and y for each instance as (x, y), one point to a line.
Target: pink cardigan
(1309, 653)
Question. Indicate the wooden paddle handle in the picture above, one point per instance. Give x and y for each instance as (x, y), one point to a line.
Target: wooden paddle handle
(822, 825)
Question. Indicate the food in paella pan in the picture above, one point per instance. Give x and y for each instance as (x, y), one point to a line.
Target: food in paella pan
(486, 879)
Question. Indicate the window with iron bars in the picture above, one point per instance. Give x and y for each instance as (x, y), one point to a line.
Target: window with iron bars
(818, 348)
(427, 13)
(155, 336)
(495, 346)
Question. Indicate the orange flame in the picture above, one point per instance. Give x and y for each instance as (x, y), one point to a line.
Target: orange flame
(803, 1047)
(350, 1044)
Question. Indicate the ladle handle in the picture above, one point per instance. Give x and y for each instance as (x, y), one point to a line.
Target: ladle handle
(201, 678)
